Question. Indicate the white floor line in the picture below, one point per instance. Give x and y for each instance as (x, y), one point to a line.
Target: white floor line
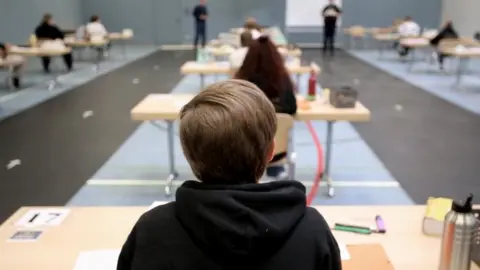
(132, 182)
(178, 47)
(8, 97)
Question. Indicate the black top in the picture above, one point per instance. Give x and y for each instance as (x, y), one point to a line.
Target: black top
(198, 11)
(47, 31)
(331, 20)
(218, 227)
(447, 32)
(286, 101)
(3, 50)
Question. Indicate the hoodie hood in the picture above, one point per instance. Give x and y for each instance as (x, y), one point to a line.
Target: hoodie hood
(240, 224)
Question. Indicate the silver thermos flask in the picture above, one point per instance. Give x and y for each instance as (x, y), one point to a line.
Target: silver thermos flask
(458, 230)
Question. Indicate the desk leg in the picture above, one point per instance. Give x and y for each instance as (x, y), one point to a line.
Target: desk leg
(54, 82)
(299, 78)
(171, 157)
(380, 49)
(328, 153)
(98, 59)
(9, 78)
(291, 156)
(55, 79)
(462, 64)
(124, 49)
(202, 81)
(412, 60)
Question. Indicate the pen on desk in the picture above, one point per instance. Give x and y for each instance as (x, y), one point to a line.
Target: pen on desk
(353, 229)
(352, 226)
(380, 224)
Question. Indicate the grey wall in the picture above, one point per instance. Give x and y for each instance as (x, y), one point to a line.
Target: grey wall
(464, 15)
(18, 18)
(378, 13)
(170, 21)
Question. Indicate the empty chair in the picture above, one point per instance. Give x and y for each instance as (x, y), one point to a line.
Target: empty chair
(282, 156)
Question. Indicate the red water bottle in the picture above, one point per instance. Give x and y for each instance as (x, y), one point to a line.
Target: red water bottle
(312, 86)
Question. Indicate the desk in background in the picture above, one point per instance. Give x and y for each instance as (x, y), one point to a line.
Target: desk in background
(40, 52)
(166, 107)
(223, 68)
(95, 228)
(463, 56)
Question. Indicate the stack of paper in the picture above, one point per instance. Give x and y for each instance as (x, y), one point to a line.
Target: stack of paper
(97, 260)
(155, 204)
(344, 254)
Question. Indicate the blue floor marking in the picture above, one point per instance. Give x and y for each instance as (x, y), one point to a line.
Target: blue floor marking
(428, 77)
(36, 82)
(143, 156)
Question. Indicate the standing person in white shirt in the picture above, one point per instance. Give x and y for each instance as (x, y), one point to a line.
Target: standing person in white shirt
(408, 28)
(236, 58)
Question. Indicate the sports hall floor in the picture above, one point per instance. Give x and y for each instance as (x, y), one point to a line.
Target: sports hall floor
(78, 146)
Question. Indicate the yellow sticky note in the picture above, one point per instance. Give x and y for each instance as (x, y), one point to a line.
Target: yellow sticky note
(437, 208)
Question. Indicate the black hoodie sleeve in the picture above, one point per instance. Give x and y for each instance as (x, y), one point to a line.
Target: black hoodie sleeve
(330, 256)
(125, 259)
(328, 253)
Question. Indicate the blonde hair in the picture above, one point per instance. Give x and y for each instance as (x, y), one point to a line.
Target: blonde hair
(227, 132)
(251, 24)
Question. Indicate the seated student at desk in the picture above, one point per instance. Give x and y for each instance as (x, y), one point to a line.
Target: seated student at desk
(18, 63)
(236, 58)
(252, 26)
(227, 220)
(264, 66)
(408, 28)
(95, 29)
(47, 30)
(447, 31)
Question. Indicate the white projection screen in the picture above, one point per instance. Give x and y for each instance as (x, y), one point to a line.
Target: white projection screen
(306, 13)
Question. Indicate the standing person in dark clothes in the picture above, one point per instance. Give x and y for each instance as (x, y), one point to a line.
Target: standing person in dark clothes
(47, 30)
(200, 14)
(447, 31)
(330, 15)
(228, 220)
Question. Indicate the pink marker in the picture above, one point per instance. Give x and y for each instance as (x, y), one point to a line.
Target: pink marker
(380, 224)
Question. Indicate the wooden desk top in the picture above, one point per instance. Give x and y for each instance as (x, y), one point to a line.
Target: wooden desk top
(227, 50)
(463, 53)
(193, 67)
(84, 43)
(415, 42)
(167, 107)
(36, 51)
(91, 228)
(11, 62)
(386, 36)
(119, 36)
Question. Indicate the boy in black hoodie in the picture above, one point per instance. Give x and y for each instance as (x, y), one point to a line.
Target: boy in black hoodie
(228, 220)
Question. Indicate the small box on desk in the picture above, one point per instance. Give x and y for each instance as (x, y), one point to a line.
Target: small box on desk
(367, 257)
(343, 97)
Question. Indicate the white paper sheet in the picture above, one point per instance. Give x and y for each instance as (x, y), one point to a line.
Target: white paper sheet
(344, 254)
(97, 260)
(155, 204)
(43, 217)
